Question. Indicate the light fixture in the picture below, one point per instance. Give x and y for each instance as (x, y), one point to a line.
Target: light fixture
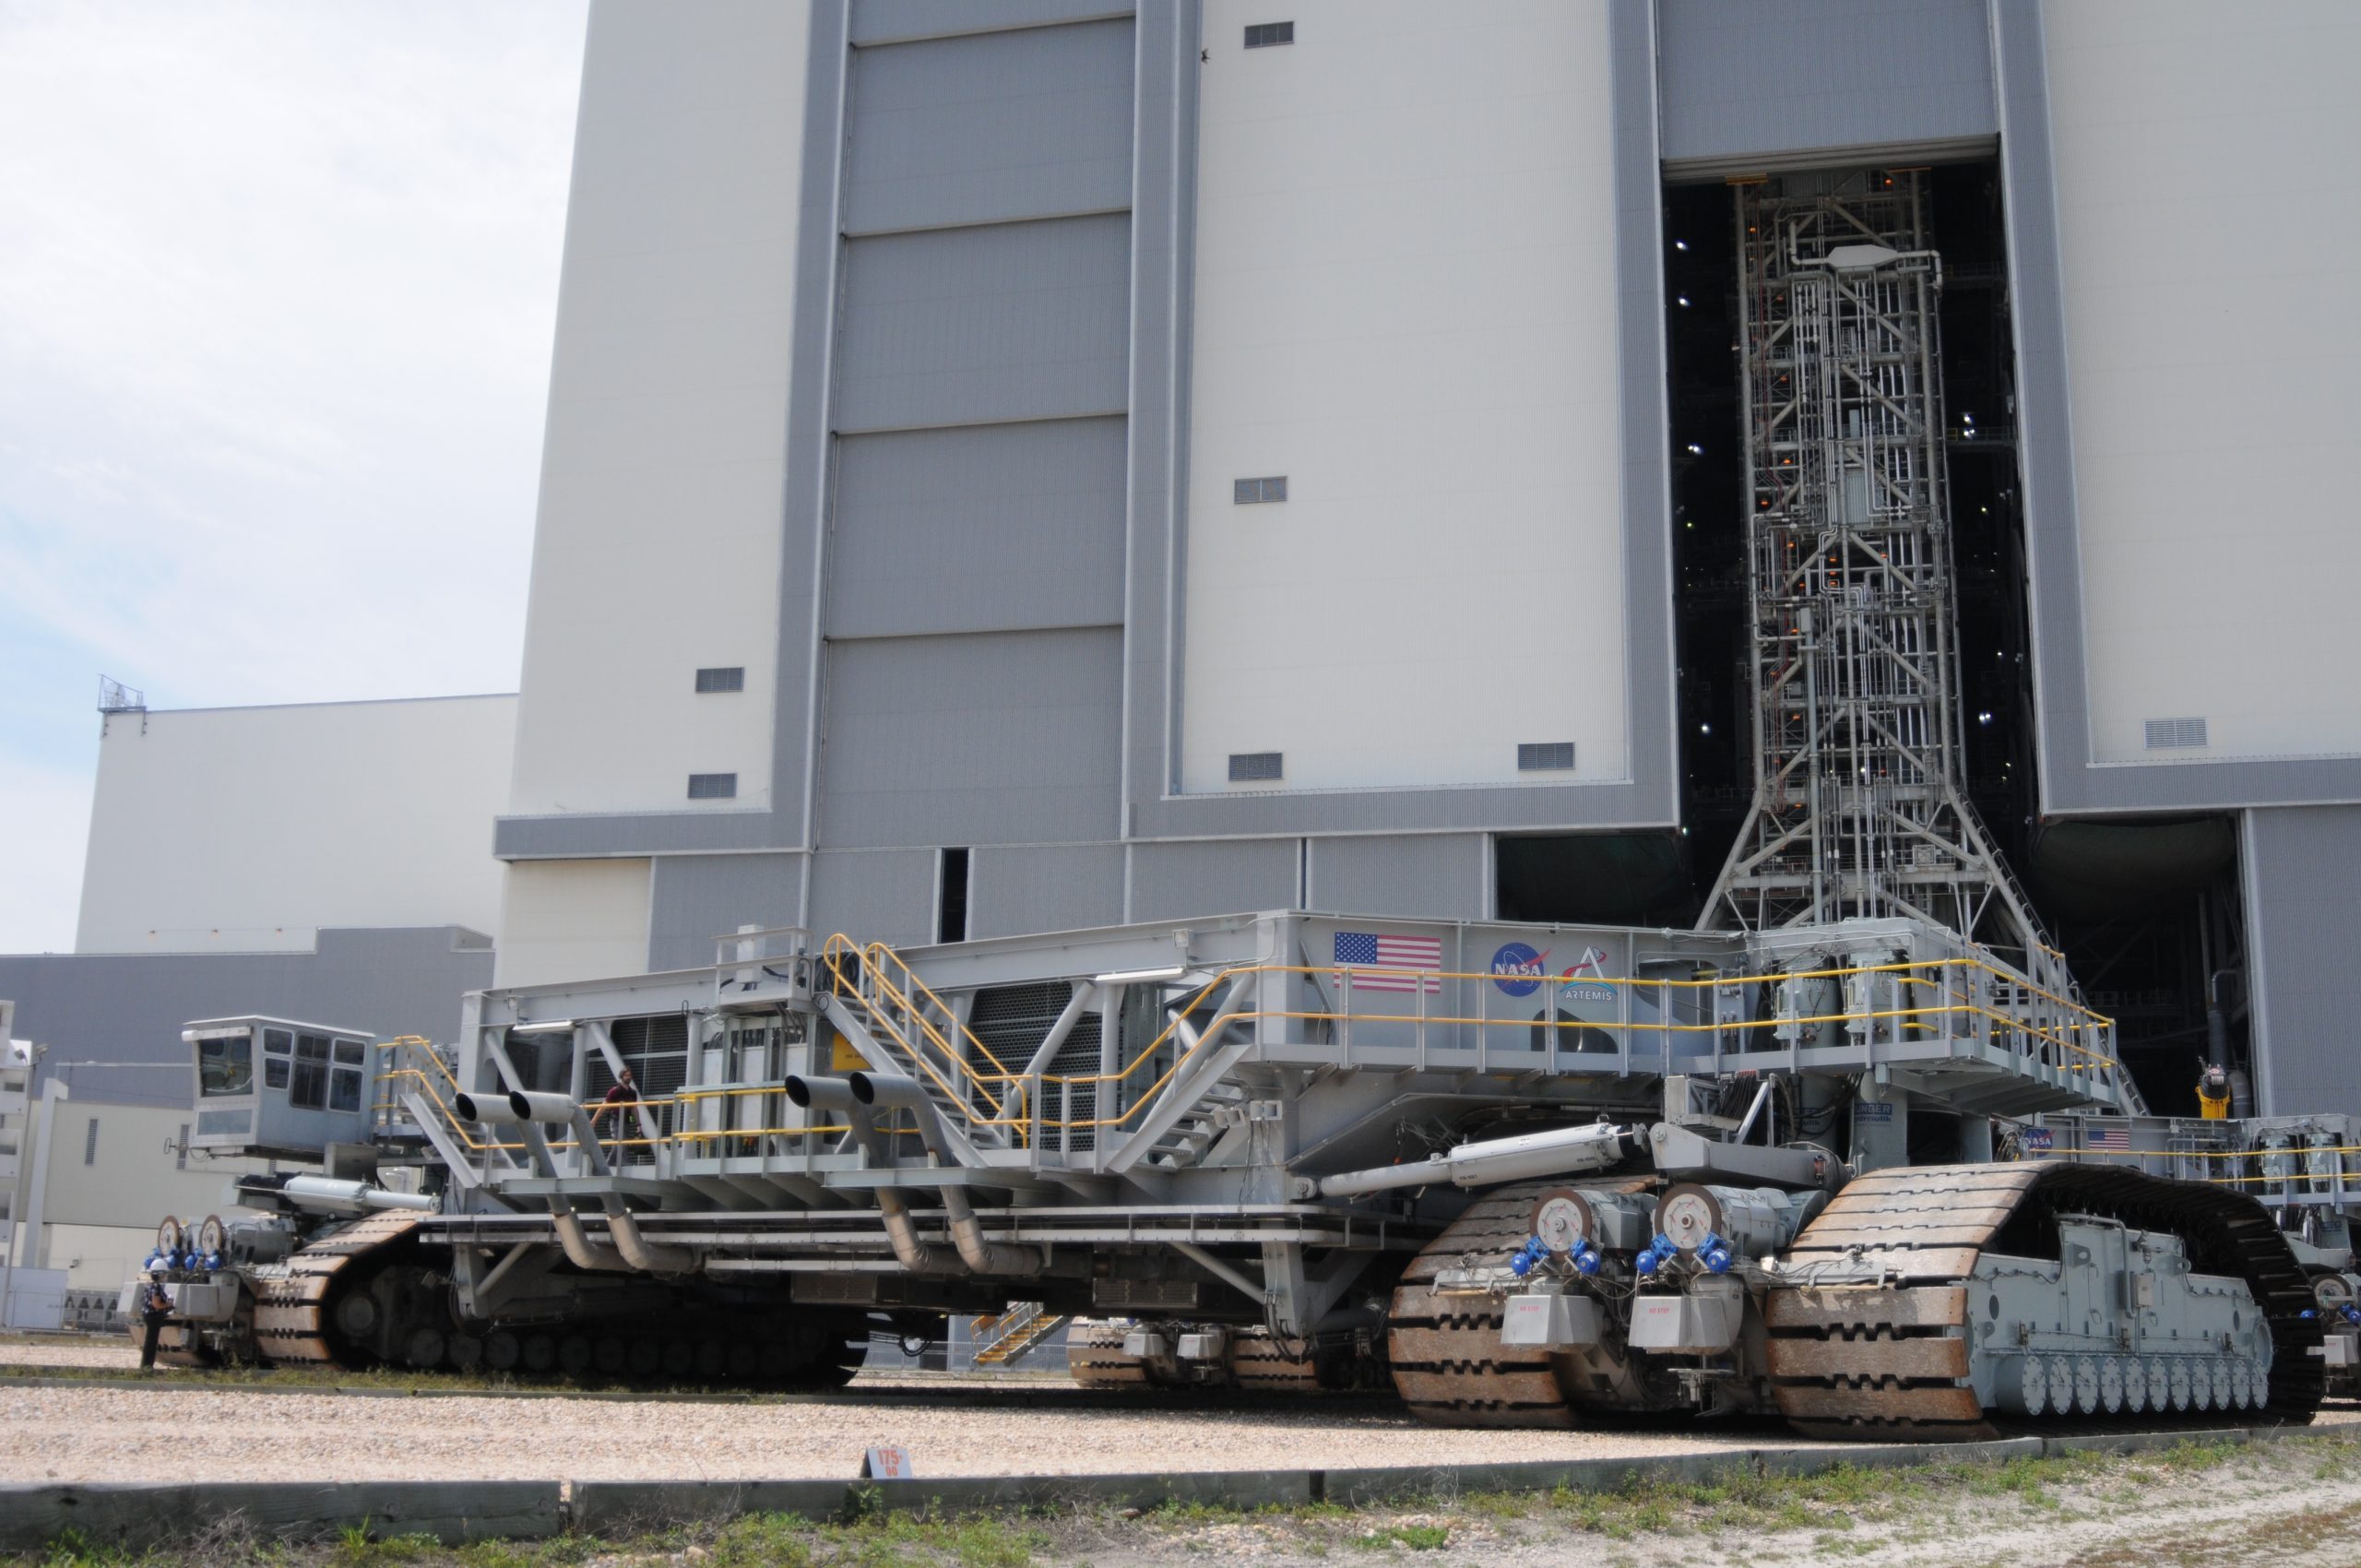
(1140, 977)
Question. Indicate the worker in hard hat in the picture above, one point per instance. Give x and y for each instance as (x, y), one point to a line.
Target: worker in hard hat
(155, 1312)
(2213, 1093)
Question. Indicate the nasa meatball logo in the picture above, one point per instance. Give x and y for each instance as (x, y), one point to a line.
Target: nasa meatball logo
(1518, 970)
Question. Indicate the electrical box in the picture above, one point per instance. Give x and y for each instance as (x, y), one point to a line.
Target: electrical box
(1550, 1321)
(1686, 1326)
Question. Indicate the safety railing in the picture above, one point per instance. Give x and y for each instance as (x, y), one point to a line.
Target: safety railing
(1346, 1016)
(2024, 1021)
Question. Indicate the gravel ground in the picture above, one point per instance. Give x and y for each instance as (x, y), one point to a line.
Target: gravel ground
(69, 1352)
(72, 1434)
(104, 1434)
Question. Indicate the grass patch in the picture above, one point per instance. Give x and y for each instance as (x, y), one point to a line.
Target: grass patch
(1418, 1537)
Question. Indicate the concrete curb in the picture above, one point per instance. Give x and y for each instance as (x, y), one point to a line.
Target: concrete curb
(134, 1516)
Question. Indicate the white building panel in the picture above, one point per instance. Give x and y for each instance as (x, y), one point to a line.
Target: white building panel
(656, 550)
(247, 829)
(2213, 289)
(572, 921)
(1405, 305)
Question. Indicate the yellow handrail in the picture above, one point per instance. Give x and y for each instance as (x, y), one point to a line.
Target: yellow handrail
(906, 1009)
(875, 956)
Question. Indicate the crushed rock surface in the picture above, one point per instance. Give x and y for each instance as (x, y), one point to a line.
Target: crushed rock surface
(69, 1352)
(191, 1433)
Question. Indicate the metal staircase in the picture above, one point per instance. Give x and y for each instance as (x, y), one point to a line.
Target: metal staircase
(1013, 1334)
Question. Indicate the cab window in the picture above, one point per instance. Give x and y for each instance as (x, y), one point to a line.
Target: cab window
(308, 1090)
(225, 1066)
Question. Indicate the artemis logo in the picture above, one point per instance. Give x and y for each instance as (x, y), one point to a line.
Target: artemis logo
(1571, 986)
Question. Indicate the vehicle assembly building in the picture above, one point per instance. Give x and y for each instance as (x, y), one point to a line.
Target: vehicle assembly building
(1043, 464)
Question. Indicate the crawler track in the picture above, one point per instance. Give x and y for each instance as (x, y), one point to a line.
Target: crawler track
(1448, 1362)
(1853, 1361)
(291, 1309)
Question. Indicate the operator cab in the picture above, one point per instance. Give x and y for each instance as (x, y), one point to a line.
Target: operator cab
(274, 1086)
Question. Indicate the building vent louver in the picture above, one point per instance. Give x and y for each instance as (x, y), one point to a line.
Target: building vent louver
(713, 786)
(1252, 492)
(1266, 35)
(722, 678)
(2171, 734)
(1247, 768)
(1545, 756)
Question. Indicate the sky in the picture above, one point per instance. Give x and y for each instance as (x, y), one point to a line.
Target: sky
(278, 282)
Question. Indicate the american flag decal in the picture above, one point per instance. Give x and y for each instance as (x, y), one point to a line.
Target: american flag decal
(1368, 955)
(2119, 1138)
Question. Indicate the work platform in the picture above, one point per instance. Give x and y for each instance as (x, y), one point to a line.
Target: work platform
(1171, 1061)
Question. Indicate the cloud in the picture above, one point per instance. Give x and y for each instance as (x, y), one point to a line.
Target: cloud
(277, 289)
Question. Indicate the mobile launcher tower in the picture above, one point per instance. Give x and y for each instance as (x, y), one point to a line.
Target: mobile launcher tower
(1854, 1151)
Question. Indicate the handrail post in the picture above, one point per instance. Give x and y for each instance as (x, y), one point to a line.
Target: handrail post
(1344, 1023)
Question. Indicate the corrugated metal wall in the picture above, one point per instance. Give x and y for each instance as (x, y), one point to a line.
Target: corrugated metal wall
(1008, 737)
(1214, 878)
(1017, 891)
(129, 1007)
(1433, 876)
(874, 894)
(972, 684)
(694, 899)
(2303, 906)
(982, 528)
(1773, 79)
(991, 128)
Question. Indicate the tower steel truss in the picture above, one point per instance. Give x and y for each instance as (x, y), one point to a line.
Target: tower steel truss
(1857, 808)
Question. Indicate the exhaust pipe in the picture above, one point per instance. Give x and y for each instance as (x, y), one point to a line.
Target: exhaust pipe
(967, 1232)
(494, 1108)
(836, 1094)
(532, 1111)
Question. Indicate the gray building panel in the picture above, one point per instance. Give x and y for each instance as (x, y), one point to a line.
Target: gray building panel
(874, 894)
(1005, 737)
(1431, 875)
(990, 127)
(979, 529)
(2302, 906)
(1016, 321)
(1756, 85)
(110, 1022)
(1215, 877)
(1163, 203)
(891, 21)
(2070, 783)
(577, 835)
(694, 899)
(1019, 890)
